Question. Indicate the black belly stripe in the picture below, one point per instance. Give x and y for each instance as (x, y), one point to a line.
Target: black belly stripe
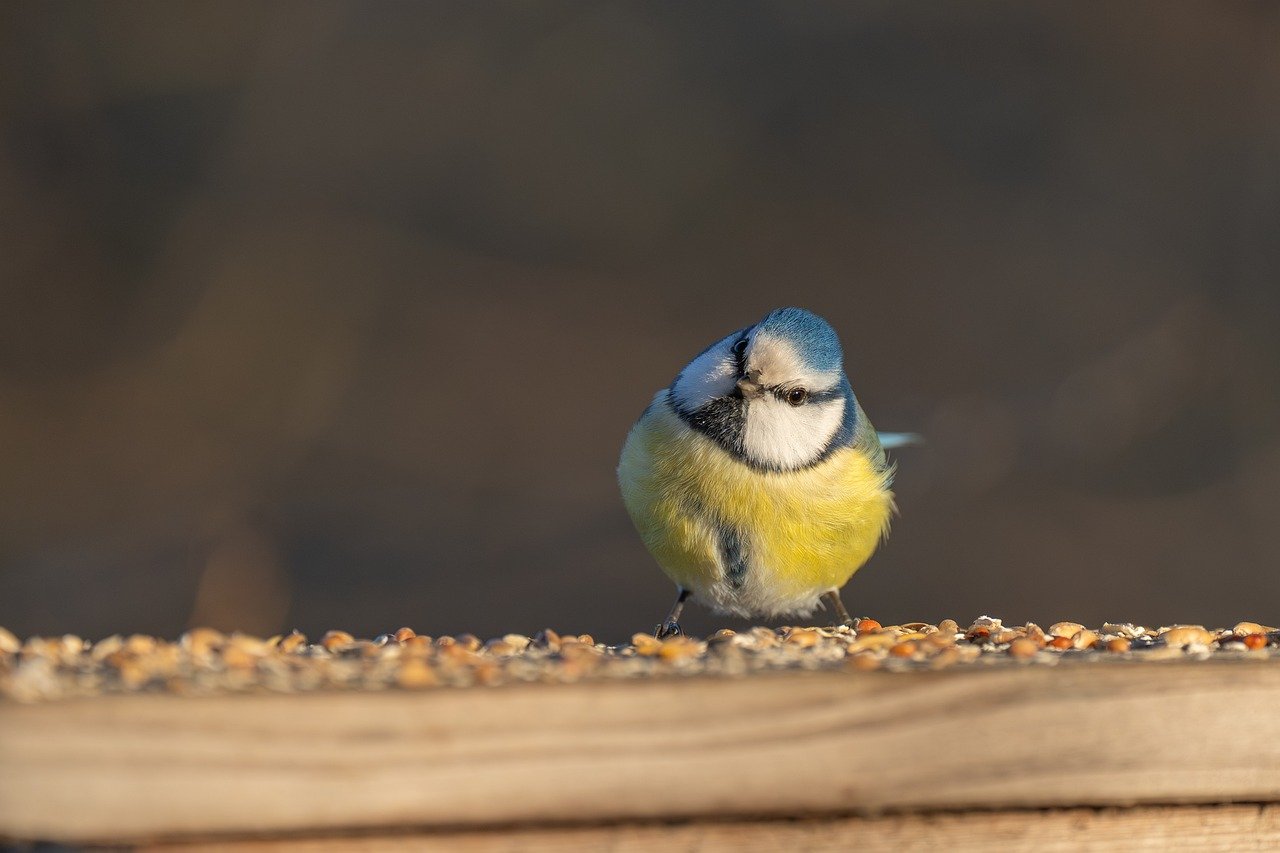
(733, 550)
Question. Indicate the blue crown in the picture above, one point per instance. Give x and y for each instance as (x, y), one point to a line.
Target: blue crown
(813, 336)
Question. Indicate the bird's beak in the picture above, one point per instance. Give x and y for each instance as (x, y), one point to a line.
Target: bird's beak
(750, 388)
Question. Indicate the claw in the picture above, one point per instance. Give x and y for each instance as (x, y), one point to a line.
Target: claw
(670, 628)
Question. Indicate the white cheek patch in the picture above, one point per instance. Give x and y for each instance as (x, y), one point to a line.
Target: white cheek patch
(712, 374)
(779, 363)
(780, 435)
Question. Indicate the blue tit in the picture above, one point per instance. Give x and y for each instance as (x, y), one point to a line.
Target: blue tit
(755, 478)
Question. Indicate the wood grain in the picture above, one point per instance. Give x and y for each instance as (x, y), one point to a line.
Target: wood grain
(1003, 737)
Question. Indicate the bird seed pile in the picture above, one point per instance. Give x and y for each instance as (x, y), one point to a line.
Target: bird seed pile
(205, 661)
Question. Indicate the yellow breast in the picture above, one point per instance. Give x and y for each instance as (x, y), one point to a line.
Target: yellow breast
(805, 531)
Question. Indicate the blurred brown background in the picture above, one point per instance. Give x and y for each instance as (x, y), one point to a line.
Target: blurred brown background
(336, 314)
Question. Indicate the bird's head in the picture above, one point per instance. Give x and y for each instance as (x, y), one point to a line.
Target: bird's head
(773, 394)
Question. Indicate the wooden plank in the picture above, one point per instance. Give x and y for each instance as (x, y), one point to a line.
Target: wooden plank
(788, 744)
(1206, 829)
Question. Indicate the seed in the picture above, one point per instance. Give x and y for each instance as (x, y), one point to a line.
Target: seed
(1060, 643)
(941, 639)
(1181, 636)
(1085, 639)
(292, 642)
(238, 657)
(470, 642)
(872, 641)
(132, 675)
(1023, 647)
(405, 633)
(335, 640)
(863, 662)
(9, 642)
(517, 641)
(678, 648)
(904, 650)
(1005, 636)
(1243, 628)
(415, 673)
(803, 637)
(500, 648)
(991, 625)
(1254, 641)
(868, 624)
(914, 626)
(1065, 629)
(945, 658)
(1117, 644)
(106, 647)
(645, 644)
(583, 652)
(948, 626)
(546, 639)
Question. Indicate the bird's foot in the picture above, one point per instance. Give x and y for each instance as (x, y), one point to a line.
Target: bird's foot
(669, 628)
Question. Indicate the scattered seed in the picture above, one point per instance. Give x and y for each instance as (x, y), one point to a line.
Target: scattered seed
(204, 660)
(646, 644)
(1023, 647)
(294, 641)
(904, 650)
(863, 662)
(803, 637)
(1181, 636)
(415, 674)
(335, 640)
(1084, 639)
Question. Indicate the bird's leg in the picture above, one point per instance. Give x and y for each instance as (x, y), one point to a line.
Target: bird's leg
(670, 626)
(831, 600)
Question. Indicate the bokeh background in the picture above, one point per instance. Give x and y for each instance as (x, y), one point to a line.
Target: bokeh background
(336, 314)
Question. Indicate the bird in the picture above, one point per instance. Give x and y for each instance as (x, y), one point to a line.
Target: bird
(755, 478)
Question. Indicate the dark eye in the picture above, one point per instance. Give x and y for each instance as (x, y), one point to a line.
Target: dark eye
(797, 396)
(740, 346)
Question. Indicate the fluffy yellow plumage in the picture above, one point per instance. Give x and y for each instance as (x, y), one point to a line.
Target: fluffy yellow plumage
(806, 531)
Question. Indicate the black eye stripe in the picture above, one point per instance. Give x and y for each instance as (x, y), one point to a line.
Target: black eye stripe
(810, 397)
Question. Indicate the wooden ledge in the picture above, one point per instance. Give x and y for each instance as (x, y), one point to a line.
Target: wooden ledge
(123, 768)
(1226, 829)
